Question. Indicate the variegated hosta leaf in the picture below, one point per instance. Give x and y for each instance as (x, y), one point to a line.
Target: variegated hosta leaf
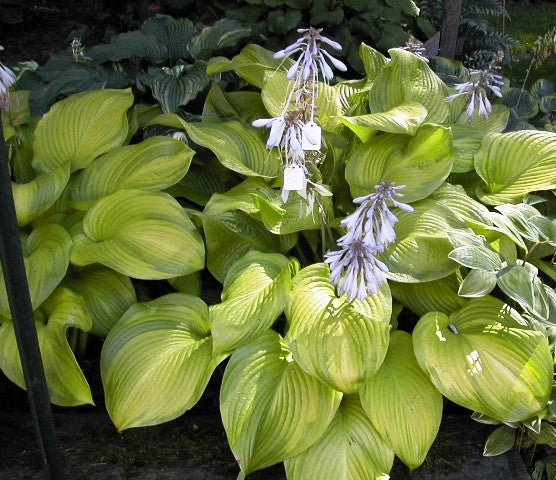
(190, 284)
(407, 78)
(514, 164)
(402, 403)
(340, 343)
(350, 449)
(107, 295)
(237, 147)
(240, 197)
(438, 295)
(46, 255)
(67, 385)
(231, 235)
(270, 408)
(154, 164)
(80, 128)
(420, 253)
(480, 357)
(256, 290)
(421, 162)
(276, 88)
(405, 119)
(36, 197)
(157, 361)
(140, 234)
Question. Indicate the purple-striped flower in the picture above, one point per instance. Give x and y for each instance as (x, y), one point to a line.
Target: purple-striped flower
(354, 268)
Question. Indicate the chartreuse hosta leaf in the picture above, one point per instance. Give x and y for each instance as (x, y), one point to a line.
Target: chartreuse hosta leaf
(420, 253)
(36, 197)
(407, 78)
(421, 162)
(402, 403)
(236, 146)
(80, 128)
(256, 290)
(350, 449)
(373, 61)
(224, 106)
(254, 61)
(405, 118)
(340, 343)
(157, 361)
(154, 164)
(46, 255)
(231, 235)
(140, 234)
(66, 383)
(271, 409)
(438, 295)
(107, 295)
(480, 357)
(514, 164)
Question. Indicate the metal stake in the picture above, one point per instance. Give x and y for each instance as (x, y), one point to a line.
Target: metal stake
(11, 256)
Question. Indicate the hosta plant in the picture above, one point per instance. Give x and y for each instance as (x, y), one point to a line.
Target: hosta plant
(353, 252)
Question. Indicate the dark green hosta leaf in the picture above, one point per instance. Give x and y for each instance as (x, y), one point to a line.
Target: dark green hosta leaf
(223, 33)
(521, 102)
(67, 385)
(174, 33)
(80, 128)
(231, 235)
(140, 234)
(270, 408)
(147, 378)
(420, 253)
(514, 164)
(176, 86)
(255, 293)
(499, 441)
(402, 403)
(46, 255)
(349, 449)
(409, 79)
(107, 295)
(36, 197)
(541, 88)
(154, 164)
(134, 45)
(405, 118)
(548, 104)
(339, 342)
(496, 366)
(280, 22)
(421, 162)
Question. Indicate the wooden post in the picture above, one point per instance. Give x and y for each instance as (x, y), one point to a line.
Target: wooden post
(450, 27)
(15, 278)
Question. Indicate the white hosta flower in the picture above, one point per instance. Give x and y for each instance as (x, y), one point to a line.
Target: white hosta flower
(313, 59)
(354, 269)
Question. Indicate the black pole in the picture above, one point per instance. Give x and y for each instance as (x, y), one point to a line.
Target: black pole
(11, 256)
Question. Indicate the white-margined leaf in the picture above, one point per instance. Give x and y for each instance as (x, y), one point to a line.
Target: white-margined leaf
(499, 441)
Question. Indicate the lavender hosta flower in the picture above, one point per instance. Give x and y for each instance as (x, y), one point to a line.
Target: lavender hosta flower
(417, 48)
(312, 58)
(7, 79)
(276, 125)
(354, 269)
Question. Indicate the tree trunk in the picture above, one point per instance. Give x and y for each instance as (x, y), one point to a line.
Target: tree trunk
(450, 27)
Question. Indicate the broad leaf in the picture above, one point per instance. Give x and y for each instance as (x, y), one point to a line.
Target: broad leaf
(154, 164)
(477, 283)
(46, 255)
(147, 378)
(270, 408)
(143, 235)
(36, 197)
(515, 164)
(107, 295)
(174, 33)
(133, 45)
(225, 106)
(256, 290)
(253, 62)
(496, 366)
(223, 33)
(421, 162)
(402, 403)
(339, 342)
(499, 441)
(350, 449)
(67, 385)
(407, 78)
(80, 128)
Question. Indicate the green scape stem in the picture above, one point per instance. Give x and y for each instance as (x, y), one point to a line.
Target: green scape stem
(13, 267)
